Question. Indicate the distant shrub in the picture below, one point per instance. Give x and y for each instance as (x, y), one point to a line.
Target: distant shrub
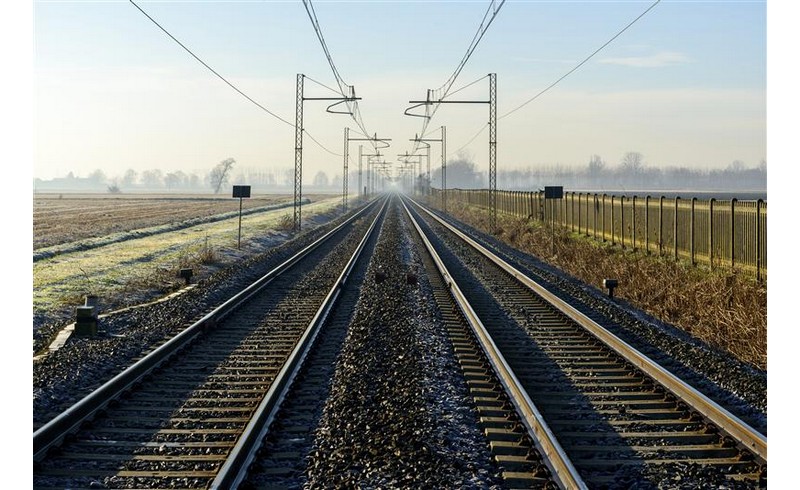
(285, 223)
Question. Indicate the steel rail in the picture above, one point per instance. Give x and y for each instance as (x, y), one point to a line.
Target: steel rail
(745, 435)
(53, 432)
(556, 459)
(234, 470)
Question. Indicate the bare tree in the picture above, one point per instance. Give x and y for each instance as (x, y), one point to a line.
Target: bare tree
(736, 166)
(98, 177)
(152, 178)
(175, 179)
(321, 179)
(596, 166)
(129, 178)
(632, 163)
(219, 174)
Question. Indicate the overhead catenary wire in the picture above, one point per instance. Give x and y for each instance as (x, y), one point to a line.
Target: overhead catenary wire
(442, 92)
(212, 70)
(234, 87)
(582, 62)
(557, 81)
(345, 90)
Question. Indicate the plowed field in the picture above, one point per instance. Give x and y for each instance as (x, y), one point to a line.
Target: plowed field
(64, 218)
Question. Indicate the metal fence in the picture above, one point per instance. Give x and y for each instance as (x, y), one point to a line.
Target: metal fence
(717, 233)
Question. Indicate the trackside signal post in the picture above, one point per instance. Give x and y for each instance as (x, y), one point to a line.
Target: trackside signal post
(550, 193)
(241, 191)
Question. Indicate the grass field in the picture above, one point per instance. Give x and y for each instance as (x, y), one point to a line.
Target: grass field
(142, 262)
(725, 308)
(63, 218)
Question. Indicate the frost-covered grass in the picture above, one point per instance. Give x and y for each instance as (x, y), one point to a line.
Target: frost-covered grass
(722, 307)
(135, 269)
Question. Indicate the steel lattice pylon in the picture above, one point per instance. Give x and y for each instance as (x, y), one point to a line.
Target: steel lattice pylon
(345, 169)
(493, 151)
(298, 154)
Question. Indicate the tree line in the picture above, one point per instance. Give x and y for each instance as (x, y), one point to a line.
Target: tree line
(216, 179)
(631, 173)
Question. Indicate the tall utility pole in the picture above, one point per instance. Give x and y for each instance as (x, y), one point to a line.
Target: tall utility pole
(370, 171)
(405, 158)
(492, 102)
(375, 142)
(360, 153)
(493, 151)
(298, 153)
(298, 141)
(443, 141)
(344, 170)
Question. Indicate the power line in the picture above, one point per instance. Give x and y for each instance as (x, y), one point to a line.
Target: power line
(445, 88)
(225, 80)
(345, 89)
(312, 15)
(582, 62)
(483, 128)
(209, 68)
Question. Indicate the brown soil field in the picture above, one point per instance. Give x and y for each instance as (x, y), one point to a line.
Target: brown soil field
(64, 218)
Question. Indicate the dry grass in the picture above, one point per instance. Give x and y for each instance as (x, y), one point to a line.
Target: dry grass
(724, 308)
(140, 269)
(63, 218)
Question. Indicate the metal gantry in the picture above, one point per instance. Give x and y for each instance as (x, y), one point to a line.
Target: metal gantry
(375, 141)
(443, 141)
(493, 151)
(405, 157)
(492, 102)
(298, 140)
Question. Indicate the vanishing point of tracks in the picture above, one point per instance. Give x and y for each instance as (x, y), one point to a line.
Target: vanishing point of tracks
(247, 397)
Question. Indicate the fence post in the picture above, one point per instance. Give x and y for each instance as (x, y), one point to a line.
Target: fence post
(613, 241)
(691, 232)
(633, 223)
(733, 233)
(661, 226)
(647, 224)
(758, 239)
(594, 225)
(711, 231)
(675, 226)
(621, 219)
(603, 215)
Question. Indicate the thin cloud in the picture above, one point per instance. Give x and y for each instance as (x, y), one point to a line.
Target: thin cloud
(658, 60)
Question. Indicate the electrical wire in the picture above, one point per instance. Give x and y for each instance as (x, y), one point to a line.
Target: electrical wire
(483, 128)
(582, 62)
(224, 79)
(345, 90)
(209, 68)
(443, 91)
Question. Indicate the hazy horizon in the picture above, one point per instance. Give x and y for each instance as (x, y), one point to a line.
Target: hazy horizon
(685, 86)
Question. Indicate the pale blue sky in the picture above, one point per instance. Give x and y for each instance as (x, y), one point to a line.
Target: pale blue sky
(686, 85)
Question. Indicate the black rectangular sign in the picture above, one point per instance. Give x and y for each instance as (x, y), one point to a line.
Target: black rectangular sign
(241, 191)
(554, 192)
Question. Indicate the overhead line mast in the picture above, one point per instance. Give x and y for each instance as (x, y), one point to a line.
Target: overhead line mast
(298, 141)
(492, 102)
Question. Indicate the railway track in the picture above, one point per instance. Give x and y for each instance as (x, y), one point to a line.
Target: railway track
(183, 416)
(325, 381)
(618, 419)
